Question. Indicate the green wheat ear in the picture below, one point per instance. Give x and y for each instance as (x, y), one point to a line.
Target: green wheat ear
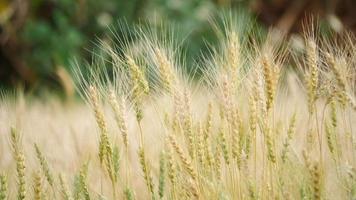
(83, 173)
(20, 164)
(64, 188)
(146, 170)
(162, 175)
(116, 162)
(3, 187)
(129, 194)
(44, 165)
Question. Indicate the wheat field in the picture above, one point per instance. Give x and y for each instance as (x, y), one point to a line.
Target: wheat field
(263, 120)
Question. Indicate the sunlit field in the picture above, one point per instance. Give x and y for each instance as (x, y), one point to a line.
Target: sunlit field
(257, 118)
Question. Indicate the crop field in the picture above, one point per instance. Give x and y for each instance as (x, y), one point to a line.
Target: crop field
(258, 117)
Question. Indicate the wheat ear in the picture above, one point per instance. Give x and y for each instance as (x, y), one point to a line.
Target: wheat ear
(312, 80)
(44, 165)
(37, 186)
(64, 188)
(20, 164)
(3, 187)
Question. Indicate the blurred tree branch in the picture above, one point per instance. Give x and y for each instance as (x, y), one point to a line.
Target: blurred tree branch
(11, 48)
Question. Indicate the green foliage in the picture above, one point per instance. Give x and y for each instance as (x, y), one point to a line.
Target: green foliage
(56, 32)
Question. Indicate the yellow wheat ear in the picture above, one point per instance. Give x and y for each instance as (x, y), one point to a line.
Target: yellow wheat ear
(100, 120)
(270, 81)
(37, 186)
(119, 111)
(166, 69)
(313, 75)
(139, 86)
(139, 82)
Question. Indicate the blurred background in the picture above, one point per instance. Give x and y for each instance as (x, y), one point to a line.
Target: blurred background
(40, 38)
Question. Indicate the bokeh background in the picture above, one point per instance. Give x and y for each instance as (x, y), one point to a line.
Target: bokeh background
(40, 38)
